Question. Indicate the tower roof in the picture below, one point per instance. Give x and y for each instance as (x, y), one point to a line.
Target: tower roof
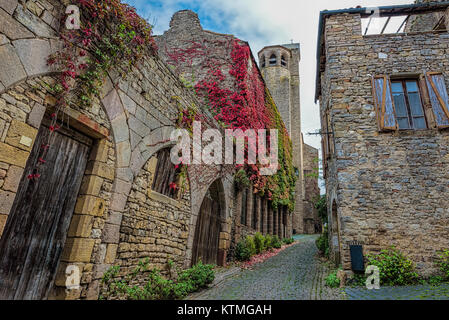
(290, 46)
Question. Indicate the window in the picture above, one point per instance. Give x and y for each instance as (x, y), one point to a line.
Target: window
(244, 206)
(273, 60)
(262, 61)
(399, 104)
(165, 180)
(408, 105)
(283, 61)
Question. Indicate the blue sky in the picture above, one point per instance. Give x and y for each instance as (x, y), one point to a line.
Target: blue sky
(263, 23)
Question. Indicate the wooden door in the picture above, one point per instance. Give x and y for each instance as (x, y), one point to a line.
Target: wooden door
(35, 233)
(207, 234)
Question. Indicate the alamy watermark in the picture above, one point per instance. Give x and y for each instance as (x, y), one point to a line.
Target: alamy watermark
(258, 145)
(73, 277)
(373, 279)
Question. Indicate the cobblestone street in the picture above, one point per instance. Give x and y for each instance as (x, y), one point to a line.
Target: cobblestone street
(294, 274)
(422, 292)
(298, 274)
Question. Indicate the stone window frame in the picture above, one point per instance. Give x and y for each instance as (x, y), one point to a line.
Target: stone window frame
(263, 62)
(79, 245)
(284, 61)
(273, 61)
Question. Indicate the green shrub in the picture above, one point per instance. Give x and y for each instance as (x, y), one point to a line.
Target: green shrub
(156, 287)
(242, 252)
(276, 242)
(199, 276)
(288, 240)
(268, 242)
(332, 280)
(395, 269)
(443, 263)
(357, 280)
(251, 245)
(259, 242)
(322, 243)
(435, 280)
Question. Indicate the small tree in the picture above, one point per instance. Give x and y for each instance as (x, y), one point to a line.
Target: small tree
(321, 206)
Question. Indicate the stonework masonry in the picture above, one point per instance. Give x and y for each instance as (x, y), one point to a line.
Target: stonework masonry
(383, 188)
(280, 69)
(117, 219)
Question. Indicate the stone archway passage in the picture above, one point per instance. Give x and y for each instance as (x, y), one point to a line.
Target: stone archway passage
(36, 230)
(207, 234)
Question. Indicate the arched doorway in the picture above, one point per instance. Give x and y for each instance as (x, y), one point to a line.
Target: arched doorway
(208, 227)
(37, 226)
(335, 234)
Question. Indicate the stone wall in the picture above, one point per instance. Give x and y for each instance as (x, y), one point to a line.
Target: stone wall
(283, 81)
(130, 122)
(191, 51)
(388, 188)
(424, 22)
(155, 227)
(312, 223)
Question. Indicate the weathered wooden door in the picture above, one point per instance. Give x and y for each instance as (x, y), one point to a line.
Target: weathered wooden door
(35, 233)
(207, 234)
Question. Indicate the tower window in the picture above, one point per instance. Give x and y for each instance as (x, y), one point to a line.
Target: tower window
(273, 60)
(262, 61)
(283, 61)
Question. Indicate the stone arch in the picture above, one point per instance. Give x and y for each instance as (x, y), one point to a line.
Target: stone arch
(284, 61)
(98, 169)
(263, 61)
(273, 60)
(217, 186)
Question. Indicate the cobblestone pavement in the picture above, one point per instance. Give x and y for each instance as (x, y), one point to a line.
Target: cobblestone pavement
(294, 274)
(422, 292)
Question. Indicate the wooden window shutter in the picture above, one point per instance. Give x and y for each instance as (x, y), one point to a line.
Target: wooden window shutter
(384, 103)
(438, 98)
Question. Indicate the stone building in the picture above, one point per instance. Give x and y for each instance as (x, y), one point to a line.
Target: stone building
(280, 68)
(191, 52)
(108, 203)
(384, 116)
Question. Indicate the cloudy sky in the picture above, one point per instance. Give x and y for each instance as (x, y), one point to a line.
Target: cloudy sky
(263, 23)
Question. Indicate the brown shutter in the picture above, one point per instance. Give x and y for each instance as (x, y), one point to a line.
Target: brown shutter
(439, 98)
(426, 101)
(384, 104)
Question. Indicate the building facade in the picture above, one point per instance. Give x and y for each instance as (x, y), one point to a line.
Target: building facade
(105, 196)
(384, 115)
(280, 68)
